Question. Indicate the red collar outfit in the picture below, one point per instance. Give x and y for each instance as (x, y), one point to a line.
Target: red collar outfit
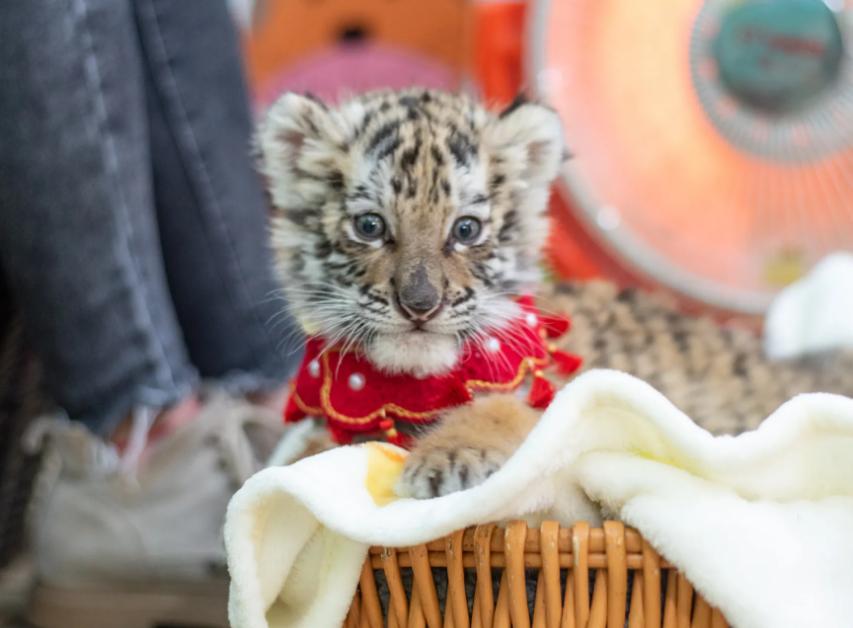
(356, 398)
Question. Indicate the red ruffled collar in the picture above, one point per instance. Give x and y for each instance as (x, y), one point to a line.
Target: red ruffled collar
(356, 398)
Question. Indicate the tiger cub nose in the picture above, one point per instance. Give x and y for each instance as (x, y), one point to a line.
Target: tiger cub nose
(418, 298)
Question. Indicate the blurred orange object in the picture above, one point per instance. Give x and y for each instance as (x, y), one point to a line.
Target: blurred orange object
(498, 35)
(498, 53)
(285, 34)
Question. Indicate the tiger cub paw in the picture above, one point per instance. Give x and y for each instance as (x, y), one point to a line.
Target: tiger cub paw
(437, 471)
(466, 447)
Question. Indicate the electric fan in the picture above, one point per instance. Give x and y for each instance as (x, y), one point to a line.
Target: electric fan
(712, 141)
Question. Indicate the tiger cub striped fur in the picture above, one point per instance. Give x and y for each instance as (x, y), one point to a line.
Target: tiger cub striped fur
(405, 223)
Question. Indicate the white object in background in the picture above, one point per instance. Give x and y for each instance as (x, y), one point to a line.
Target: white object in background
(243, 11)
(814, 313)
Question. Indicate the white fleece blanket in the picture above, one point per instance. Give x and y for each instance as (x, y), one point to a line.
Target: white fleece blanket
(762, 523)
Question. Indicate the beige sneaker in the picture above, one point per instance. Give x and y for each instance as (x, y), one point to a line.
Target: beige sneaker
(136, 541)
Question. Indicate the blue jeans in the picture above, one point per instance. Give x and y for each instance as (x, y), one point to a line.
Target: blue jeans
(132, 223)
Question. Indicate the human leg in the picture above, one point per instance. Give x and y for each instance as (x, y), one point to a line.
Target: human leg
(211, 208)
(79, 238)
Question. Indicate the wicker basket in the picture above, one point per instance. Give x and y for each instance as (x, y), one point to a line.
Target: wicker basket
(584, 577)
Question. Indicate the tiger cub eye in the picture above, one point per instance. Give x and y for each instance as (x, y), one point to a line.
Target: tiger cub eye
(369, 226)
(466, 230)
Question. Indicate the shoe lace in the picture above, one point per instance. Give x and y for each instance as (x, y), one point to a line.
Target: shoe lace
(142, 420)
(231, 436)
(74, 449)
(80, 452)
(71, 445)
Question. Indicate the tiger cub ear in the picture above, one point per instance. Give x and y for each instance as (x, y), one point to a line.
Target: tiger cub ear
(528, 137)
(301, 146)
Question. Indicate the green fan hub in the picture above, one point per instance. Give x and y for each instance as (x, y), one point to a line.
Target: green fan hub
(778, 55)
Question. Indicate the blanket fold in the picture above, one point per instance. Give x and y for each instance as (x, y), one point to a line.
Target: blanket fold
(761, 523)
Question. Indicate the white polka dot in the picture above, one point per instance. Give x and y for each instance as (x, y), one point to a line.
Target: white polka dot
(314, 368)
(493, 344)
(531, 319)
(356, 381)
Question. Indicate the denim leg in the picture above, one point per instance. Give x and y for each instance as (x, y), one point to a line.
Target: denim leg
(78, 233)
(211, 207)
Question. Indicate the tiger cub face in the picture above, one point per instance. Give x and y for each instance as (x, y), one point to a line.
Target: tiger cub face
(405, 222)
